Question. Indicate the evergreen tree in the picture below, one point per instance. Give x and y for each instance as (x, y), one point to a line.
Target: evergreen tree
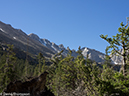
(8, 70)
(121, 40)
(53, 77)
(41, 66)
(40, 57)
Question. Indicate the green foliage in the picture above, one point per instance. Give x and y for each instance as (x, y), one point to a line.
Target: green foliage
(13, 68)
(41, 66)
(8, 70)
(121, 40)
(68, 76)
(78, 76)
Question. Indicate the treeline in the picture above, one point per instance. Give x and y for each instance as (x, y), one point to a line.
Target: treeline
(13, 68)
(70, 76)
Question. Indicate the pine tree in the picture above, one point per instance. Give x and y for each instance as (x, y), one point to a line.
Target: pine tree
(8, 71)
(66, 75)
(52, 79)
(121, 40)
(40, 57)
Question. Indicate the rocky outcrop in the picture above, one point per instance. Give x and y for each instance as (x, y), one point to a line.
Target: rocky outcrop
(93, 54)
(33, 87)
(34, 36)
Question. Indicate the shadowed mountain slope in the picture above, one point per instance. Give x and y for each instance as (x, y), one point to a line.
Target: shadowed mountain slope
(19, 39)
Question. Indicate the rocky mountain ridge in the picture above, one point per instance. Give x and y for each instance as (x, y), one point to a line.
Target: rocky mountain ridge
(91, 53)
(51, 45)
(33, 44)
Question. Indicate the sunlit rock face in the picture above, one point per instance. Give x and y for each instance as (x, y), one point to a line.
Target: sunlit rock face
(116, 58)
(93, 54)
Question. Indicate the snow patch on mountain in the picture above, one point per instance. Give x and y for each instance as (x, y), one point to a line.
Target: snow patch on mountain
(45, 43)
(14, 37)
(2, 30)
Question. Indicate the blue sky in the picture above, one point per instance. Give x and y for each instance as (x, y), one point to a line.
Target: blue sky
(72, 23)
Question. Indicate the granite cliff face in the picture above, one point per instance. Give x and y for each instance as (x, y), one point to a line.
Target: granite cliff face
(93, 54)
(33, 44)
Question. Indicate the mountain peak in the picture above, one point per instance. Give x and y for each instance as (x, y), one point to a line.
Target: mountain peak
(34, 36)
